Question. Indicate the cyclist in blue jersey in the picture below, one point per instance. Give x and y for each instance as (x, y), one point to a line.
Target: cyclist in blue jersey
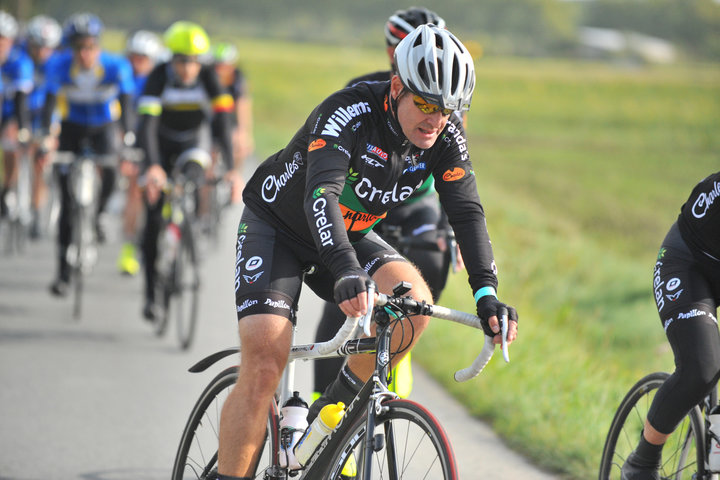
(42, 36)
(17, 79)
(143, 49)
(420, 217)
(93, 90)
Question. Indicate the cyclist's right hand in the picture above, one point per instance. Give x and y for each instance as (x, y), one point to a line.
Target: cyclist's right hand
(351, 292)
(155, 178)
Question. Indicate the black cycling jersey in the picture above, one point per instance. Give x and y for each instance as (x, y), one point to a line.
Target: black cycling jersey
(699, 219)
(350, 163)
(375, 77)
(177, 112)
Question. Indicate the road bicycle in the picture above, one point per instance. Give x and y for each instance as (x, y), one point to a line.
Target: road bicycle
(178, 272)
(218, 193)
(685, 454)
(84, 190)
(19, 208)
(381, 435)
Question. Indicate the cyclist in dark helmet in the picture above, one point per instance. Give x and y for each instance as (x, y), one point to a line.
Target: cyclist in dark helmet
(96, 88)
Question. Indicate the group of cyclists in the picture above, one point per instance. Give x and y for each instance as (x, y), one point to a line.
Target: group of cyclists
(165, 97)
(386, 154)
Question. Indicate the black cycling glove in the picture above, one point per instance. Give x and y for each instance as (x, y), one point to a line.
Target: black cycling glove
(350, 284)
(488, 306)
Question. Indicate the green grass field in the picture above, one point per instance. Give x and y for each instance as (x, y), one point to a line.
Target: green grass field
(582, 168)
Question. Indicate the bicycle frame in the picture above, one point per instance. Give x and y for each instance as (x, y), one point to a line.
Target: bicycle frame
(372, 394)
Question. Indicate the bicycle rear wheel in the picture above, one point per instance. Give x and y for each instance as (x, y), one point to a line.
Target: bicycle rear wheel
(683, 456)
(197, 453)
(187, 289)
(409, 444)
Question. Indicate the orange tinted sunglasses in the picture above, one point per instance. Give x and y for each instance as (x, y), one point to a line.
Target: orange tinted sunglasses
(429, 108)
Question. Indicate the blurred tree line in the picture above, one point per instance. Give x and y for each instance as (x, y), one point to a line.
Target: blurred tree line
(502, 27)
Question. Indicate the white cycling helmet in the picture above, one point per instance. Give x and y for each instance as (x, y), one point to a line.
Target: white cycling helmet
(145, 43)
(431, 62)
(8, 25)
(44, 31)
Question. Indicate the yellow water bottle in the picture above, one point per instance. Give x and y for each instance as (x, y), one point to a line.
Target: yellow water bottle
(326, 421)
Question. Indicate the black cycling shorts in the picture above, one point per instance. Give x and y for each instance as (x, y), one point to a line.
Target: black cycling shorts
(102, 140)
(269, 267)
(683, 286)
(687, 291)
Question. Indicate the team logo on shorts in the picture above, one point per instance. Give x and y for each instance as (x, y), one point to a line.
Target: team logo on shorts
(253, 263)
(250, 279)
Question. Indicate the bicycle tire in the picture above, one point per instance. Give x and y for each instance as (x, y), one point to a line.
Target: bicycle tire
(164, 290)
(196, 456)
(76, 263)
(187, 289)
(683, 455)
(415, 447)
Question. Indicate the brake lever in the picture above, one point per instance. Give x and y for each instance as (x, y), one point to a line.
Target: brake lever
(366, 320)
(504, 330)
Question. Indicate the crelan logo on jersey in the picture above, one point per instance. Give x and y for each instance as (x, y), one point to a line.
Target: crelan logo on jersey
(453, 174)
(342, 116)
(316, 144)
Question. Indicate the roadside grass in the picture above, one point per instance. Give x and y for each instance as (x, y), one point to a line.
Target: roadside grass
(582, 168)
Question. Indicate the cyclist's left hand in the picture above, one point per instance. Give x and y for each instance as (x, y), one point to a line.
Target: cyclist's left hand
(236, 185)
(487, 308)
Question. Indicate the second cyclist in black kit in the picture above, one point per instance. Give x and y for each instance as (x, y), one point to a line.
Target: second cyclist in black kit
(420, 217)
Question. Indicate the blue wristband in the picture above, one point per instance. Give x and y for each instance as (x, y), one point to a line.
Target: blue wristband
(484, 292)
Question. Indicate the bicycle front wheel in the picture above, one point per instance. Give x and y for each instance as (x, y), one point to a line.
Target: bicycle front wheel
(409, 443)
(197, 453)
(683, 456)
(187, 289)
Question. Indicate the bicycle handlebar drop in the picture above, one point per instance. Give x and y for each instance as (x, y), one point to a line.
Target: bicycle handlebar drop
(436, 311)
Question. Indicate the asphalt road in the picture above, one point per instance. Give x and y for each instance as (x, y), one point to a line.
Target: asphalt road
(104, 399)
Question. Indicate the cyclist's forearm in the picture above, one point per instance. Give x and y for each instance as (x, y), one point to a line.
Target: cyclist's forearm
(328, 230)
(126, 112)
(21, 110)
(224, 129)
(148, 138)
(47, 112)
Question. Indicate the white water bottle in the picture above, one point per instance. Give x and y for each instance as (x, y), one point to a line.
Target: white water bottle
(168, 248)
(326, 421)
(292, 426)
(714, 451)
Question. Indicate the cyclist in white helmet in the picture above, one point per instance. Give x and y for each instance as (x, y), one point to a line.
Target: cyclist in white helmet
(143, 50)
(42, 37)
(361, 152)
(418, 218)
(232, 78)
(17, 81)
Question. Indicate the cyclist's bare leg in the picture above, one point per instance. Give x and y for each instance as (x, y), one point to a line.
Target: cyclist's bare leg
(386, 278)
(39, 188)
(265, 341)
(653, 436)
(133, 205)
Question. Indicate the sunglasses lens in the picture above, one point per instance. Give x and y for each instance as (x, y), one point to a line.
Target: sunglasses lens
(429, 108)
